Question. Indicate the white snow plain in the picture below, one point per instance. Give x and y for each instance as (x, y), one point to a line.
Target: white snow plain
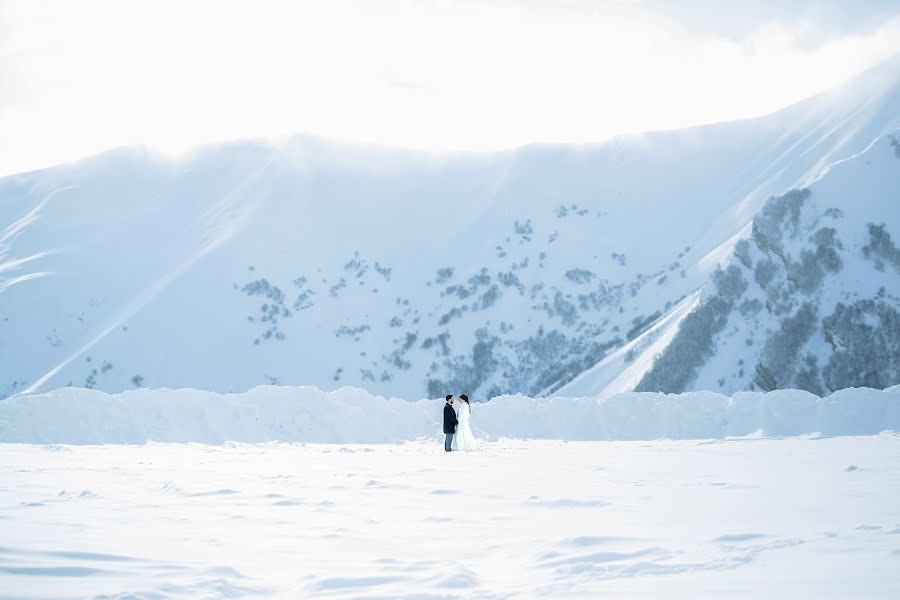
(127, 512)
(752, 518)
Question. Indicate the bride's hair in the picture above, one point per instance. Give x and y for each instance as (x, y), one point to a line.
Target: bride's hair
(465, 399)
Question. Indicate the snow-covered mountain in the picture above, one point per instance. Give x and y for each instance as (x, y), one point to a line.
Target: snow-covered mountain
(808, 299)
(647, 262)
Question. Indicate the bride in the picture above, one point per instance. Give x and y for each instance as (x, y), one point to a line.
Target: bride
(464, 439)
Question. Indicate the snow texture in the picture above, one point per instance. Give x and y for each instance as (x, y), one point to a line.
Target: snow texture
(350, 415)
(750, 518)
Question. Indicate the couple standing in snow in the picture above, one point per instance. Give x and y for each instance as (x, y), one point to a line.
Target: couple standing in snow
(457, 433)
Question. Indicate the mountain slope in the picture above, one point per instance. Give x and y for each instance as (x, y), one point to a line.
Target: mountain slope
(811, 300)
(307, 262)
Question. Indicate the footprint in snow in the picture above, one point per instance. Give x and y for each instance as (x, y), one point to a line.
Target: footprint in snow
(286, 503)
(596, 540)
(569, 503)
(343, 583)
(738, 537)
(220, 492)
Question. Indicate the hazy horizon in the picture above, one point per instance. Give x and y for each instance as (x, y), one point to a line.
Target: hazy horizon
(82, 79)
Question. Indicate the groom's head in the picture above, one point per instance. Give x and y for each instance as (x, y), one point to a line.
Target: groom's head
(449, 398)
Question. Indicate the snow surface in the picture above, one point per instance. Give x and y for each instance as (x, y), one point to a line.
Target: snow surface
(755, 518)
(351, 415)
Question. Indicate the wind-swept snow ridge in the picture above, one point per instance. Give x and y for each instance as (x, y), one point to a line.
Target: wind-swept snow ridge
(352, 415)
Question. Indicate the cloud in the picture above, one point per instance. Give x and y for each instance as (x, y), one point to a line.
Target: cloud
(736, 20)
(469, 75)
(819, 20)
(13, 88)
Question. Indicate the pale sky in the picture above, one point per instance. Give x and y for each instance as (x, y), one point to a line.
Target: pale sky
(78, 77)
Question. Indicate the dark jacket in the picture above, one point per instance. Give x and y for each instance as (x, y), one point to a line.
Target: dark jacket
(449, 419)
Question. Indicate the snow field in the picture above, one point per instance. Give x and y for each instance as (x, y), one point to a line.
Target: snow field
(751, 518)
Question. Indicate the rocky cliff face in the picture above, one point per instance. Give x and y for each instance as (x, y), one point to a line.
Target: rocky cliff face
(809, 299)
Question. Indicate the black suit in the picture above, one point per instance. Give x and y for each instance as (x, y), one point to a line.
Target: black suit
(449, 426)
(450, 421)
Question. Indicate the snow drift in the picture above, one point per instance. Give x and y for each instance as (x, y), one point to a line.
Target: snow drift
(352, 415)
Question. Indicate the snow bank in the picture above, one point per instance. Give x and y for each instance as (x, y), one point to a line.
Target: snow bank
(351, 415)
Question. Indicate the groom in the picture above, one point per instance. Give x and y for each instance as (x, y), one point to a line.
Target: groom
(449, 422)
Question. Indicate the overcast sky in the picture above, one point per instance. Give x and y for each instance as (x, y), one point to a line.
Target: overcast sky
(78, 77)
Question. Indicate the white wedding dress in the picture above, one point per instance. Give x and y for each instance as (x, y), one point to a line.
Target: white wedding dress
(464, 439)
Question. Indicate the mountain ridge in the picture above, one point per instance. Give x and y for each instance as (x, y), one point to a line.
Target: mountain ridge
(513, 271)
